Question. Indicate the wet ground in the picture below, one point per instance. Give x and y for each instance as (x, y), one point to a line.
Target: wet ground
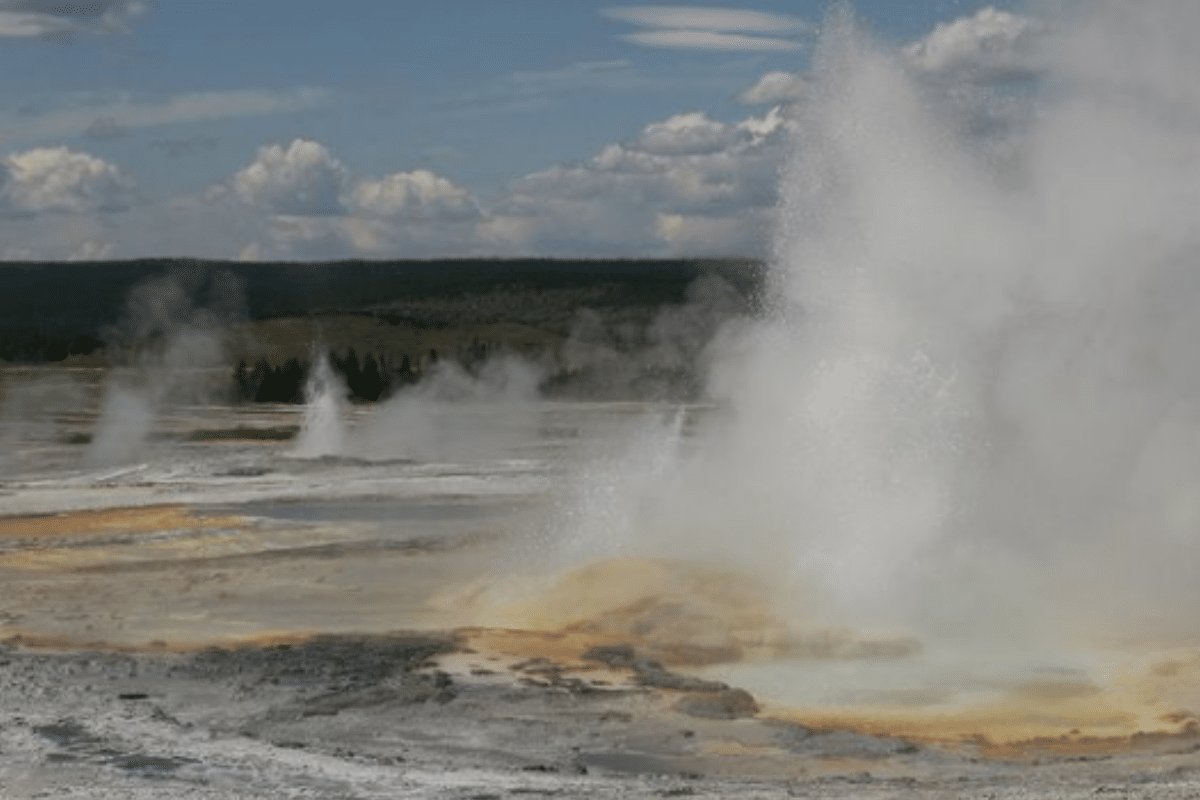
(216, 617)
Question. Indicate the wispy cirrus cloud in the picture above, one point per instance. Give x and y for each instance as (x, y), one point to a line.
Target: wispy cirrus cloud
(126, 113)
(56, 19)
(709, 40)
(528, 90)
(179, 148)
(105, 128)
(701, 28)
(709, 19)
(574, 75)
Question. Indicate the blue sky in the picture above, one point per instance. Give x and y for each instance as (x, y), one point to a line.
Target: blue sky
(309, 129)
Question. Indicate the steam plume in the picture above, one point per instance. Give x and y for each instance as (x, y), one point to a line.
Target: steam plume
(450, 414)
(974, 410)
(323, 428)
(164, 348)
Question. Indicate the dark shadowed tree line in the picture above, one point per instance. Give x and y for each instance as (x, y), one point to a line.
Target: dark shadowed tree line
(70, 302)
(35, 348)
(265, 383)
(367, 380)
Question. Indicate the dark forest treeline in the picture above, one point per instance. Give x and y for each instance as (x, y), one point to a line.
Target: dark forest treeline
(367, 380)
(51, 310)
(595, 328)
(36, 347)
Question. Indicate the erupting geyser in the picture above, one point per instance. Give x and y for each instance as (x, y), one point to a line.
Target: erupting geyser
(980, 386)
(972, 414)
(322, 429)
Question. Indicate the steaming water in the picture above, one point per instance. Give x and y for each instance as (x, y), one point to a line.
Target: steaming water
(980, 374)
(993, 428)
(973, 416)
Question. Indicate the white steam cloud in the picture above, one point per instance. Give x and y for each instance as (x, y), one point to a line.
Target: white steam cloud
(323, 426)
(973, 410)
(169, 350)
(450, 415)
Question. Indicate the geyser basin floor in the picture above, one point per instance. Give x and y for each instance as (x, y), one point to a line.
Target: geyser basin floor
(415, 715)
(205, 540)
(213, 541)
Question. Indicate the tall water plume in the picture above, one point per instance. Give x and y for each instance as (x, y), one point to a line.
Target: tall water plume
(323, 427)
(974, 408)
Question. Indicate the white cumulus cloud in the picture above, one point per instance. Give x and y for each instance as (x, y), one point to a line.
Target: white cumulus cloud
(328, 238)
(312, 207)
(302, 179)
(684, 134)
(774, 87)
(991, 43)
(92, 250)
(417, 195)
(685, 185)
(57, 179)
(745, 232)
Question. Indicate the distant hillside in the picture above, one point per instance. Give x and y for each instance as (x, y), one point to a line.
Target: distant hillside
(51, 310)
